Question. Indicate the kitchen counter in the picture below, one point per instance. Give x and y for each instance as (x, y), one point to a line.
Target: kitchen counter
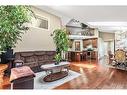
(82, 55)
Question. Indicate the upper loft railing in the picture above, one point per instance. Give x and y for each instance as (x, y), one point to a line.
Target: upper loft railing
(74, 30)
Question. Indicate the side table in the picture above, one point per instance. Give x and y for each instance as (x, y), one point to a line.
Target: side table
(22, 78)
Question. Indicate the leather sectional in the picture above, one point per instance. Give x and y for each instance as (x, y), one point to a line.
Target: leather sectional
(34, 59)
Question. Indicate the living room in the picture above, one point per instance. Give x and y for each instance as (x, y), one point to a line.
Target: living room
(63, 49)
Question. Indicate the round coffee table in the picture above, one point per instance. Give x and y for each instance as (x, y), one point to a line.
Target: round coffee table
(62, 67)
(55, 76)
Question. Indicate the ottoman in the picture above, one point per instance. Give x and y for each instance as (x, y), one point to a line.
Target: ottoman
(22, 78)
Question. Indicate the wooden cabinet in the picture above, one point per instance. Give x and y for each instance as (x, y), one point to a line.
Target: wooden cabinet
(91, 55)
(86, 42)
(92, 41)
(94, 55)
(76, 56)
(82, 56)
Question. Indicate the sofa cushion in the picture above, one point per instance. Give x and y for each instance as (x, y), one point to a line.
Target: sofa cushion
(40, 58)
(41, 63)
(40, 53)
(26, 54)
(50, 53)
(29, 59)
(51, 57)
(31, 64)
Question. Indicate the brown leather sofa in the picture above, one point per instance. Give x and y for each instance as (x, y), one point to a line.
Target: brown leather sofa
(35, 59)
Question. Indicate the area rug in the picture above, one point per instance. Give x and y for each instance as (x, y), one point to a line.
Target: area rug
(40, 84)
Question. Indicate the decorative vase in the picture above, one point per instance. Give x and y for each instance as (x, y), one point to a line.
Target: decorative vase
(56, 63)
(5, 56)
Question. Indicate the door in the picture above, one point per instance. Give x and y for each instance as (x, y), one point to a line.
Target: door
(77, 46)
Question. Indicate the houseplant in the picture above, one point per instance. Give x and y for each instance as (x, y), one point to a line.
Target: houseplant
(58, 58)
(12, 19)
(61, 41)
(84, 26)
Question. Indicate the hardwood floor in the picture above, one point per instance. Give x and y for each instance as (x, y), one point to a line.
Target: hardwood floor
(6, 83)
(94, 75)
(98, 77)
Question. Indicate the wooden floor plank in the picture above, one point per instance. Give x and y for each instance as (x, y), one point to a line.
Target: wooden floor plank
(94, 75)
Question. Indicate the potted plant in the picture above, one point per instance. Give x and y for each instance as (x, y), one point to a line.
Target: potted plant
(58, 58)
(12, 19)
(84, 26)
(61, 41)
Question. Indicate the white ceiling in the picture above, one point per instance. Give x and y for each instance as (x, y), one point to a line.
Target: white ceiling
(94, 14)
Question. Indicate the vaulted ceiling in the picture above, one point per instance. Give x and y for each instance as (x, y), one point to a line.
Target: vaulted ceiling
(106, 18)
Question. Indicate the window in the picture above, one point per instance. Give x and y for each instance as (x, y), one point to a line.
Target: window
(40, 22)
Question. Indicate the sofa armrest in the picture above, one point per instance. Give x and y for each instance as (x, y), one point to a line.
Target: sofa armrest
(18, 63)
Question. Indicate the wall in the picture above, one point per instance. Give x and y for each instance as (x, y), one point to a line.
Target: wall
(101, 50)
(105, 43)
(121, 40)
(39, 39)
(107, 36)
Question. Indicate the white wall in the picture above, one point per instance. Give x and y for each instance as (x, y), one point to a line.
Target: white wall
(112, 46)
(105, 48)
(64, 19)
(121, 40)
(106, 43)
(101, 50)
(107, 36)
(39, 39)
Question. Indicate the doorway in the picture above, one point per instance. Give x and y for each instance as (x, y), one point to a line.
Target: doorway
(77, 45)
(108, 47)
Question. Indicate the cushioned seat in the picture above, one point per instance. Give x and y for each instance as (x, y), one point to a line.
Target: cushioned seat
(35, 59)
(120, 58)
